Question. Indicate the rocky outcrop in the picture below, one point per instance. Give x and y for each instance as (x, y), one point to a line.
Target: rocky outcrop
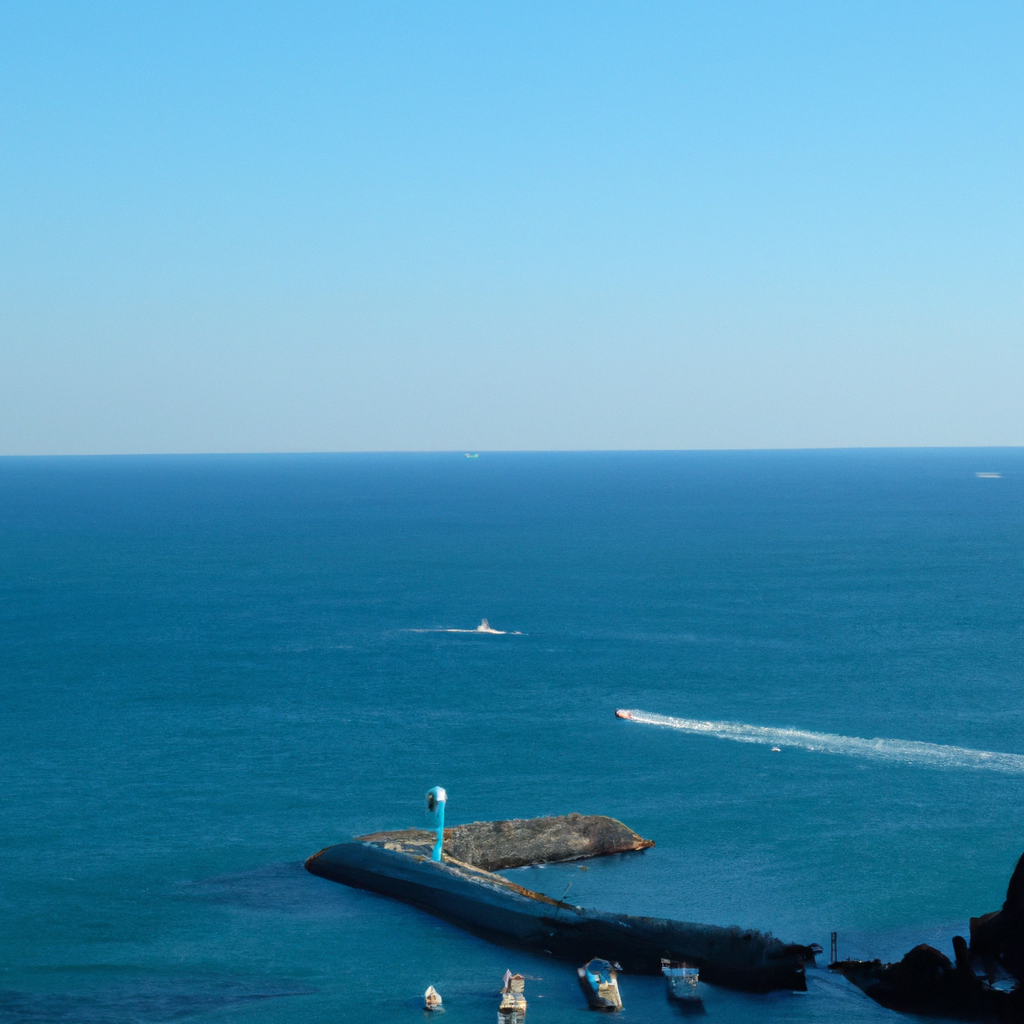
(997, 939)
(985, 984)
(925, 982)
(499, 845)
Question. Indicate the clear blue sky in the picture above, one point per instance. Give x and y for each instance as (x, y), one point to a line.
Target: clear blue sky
(301, 227)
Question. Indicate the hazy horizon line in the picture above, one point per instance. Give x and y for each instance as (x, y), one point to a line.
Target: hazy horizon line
(507, 451)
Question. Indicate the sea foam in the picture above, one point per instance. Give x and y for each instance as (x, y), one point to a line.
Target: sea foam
(903, 751)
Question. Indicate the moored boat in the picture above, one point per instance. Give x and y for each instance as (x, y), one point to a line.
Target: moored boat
(432, 999)
(599, 981)
(682, 982)
(512, 1008)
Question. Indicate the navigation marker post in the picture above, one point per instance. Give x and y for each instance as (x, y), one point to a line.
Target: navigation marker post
(436, 799)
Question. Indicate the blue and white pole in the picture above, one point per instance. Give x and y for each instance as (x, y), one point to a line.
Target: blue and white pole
(436, 800)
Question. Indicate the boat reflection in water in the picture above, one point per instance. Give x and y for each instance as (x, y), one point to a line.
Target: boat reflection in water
(682, 981)
(512, 1009)
(600, 984)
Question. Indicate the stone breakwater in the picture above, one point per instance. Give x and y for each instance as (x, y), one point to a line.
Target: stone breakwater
(471, 895)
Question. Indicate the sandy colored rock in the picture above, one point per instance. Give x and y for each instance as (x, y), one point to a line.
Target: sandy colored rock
(499, 845)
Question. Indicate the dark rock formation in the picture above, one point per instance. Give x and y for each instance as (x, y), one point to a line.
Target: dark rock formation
(985, 984)
(499, 845)
(925, 982)
(997, 939)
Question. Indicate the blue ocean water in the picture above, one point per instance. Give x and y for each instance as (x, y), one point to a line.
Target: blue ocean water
(215, 666)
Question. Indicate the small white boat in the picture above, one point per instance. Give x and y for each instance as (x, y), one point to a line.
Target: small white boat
(512, 1008)
(432, 999)
(486, 627)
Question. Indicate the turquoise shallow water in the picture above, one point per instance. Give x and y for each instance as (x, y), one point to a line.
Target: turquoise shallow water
(212, 668)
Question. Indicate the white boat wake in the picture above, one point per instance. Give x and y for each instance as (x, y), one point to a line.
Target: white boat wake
(484, 627)
(909, 752)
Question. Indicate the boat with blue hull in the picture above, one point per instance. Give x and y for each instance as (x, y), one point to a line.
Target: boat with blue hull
(492, 907)
(599, 981)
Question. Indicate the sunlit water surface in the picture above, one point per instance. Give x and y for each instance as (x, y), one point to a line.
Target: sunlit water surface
(215, 666)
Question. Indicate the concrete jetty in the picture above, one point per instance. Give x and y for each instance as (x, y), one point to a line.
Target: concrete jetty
(399, 865)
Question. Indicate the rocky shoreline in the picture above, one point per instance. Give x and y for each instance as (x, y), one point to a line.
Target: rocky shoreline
(985, 982)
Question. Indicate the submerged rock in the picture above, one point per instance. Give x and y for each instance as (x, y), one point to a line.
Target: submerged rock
(500, 845)
(985, 984)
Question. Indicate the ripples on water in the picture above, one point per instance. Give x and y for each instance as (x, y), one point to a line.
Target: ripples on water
(213, 667)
